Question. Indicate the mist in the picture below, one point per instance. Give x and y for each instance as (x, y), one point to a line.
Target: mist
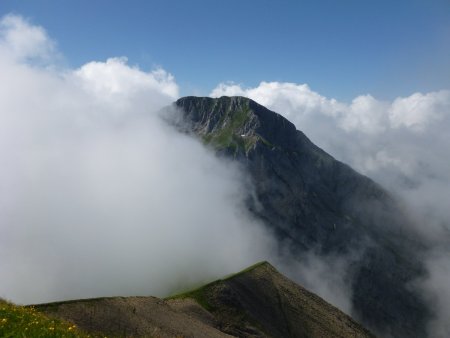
(99, 196)
(402, 144)
(328, 276)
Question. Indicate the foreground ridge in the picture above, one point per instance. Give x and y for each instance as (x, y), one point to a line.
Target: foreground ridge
(256, 302)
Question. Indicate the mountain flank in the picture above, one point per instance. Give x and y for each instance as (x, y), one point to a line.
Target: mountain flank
(314, 203)
(261, 302)
(257, 302)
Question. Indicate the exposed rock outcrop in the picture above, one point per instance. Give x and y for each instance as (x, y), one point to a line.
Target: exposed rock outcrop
(314, 202)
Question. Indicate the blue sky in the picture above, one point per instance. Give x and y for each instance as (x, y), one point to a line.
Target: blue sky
(89, 131)
(340, 48)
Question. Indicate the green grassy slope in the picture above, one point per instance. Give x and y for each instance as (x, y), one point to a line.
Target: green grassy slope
(26, 321)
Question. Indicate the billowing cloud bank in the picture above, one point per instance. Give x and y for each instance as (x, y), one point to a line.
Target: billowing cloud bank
(97, 195)
(403, 144)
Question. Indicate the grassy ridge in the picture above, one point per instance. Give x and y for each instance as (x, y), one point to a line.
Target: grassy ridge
(26, 321)
(198, 294)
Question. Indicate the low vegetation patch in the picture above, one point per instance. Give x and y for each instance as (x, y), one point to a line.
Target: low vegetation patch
(199, 294)
(228, 135)
(26, 321)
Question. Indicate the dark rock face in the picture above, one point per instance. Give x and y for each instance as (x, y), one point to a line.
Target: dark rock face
(313, 202)
(261, 302)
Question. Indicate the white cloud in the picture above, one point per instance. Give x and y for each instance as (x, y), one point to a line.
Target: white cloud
(419, 111)
(366, 131)
(115, 80)
(327, 276)
(228, 89)
(365, 114)
(403, 144)
(287, 97)
(97, 195)
(24, 41)
(438, 281)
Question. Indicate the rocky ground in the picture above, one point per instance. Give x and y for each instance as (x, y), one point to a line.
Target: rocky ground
(257, 302)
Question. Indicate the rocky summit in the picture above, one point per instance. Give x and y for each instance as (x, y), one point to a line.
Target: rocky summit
(256, 302)
(313, 202)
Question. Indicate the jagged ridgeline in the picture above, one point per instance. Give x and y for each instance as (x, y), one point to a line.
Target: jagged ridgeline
(313, 202)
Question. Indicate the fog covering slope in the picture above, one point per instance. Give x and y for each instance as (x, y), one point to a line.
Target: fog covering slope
(402, 143)
(99, 196)
(318, 205)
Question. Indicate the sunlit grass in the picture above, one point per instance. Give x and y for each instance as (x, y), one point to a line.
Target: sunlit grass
(24, 321)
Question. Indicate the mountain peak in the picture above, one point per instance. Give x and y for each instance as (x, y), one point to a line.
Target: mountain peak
(227, 102)
(313, 202)
(238, 124)
(259, 301)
